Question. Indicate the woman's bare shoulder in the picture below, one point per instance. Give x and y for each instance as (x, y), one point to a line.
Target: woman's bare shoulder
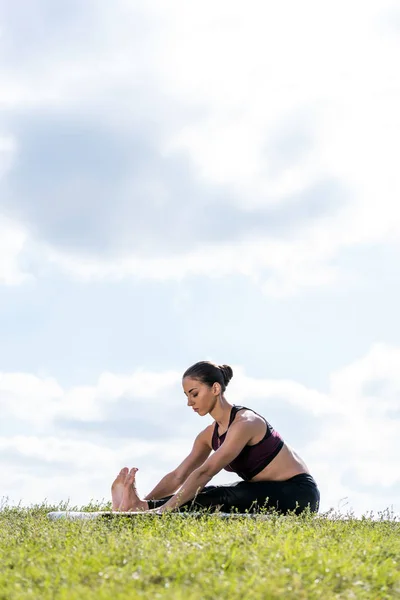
(248, 415)
(249, 418)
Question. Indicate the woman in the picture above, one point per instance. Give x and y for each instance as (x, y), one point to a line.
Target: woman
(273, 475)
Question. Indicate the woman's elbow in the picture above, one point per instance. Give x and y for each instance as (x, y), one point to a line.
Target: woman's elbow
(206, 472)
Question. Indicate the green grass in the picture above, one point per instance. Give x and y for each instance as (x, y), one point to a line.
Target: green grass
(204, 558)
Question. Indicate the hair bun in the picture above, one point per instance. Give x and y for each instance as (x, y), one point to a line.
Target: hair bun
(226, 372)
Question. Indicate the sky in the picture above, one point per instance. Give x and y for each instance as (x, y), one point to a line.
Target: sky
(198, 181)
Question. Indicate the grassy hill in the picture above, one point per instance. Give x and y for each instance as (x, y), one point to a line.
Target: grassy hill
(180, 558)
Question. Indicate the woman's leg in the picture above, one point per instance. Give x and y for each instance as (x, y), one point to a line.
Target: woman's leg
(298, 493)
(294, 494)
(209, 497)
(240, 497)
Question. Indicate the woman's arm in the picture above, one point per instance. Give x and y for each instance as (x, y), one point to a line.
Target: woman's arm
(239, 434)
(171, 482)
(166, 487)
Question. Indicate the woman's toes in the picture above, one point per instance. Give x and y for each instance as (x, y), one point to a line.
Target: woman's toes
(130, 477)
(123, 473)
(120, 478)
(117, 488)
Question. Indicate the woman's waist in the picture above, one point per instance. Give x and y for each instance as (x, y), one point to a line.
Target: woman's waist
(300, 480)
(281, 476)
(284, 466)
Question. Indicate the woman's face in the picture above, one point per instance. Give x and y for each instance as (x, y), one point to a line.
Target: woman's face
(201, 398)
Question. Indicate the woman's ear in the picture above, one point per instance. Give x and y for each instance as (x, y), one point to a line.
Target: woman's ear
(216, 388)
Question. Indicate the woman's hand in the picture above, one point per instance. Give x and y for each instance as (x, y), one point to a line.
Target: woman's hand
(160, 510)
(156, 511)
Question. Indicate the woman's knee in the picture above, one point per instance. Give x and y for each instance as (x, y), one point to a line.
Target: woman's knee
(222, 497)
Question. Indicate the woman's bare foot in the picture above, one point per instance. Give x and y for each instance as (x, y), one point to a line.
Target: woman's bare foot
(117, 488)
(130, 499)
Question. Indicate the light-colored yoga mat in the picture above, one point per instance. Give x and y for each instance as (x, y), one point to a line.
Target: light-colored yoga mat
(90, 516)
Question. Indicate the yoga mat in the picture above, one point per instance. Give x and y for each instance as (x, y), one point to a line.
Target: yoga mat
(90, 516)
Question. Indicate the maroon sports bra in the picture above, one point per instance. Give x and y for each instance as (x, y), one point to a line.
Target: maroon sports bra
(252, 459)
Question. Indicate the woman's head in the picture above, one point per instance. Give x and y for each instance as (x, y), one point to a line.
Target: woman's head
(203, 383)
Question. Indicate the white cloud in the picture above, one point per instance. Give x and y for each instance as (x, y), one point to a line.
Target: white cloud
(13, 236)
(7, 153)
(61, 469)
(348, 94)
(291, 265)
(29, 398)
(40, 401)
(13, 239)
(223, 86)
(352, 448)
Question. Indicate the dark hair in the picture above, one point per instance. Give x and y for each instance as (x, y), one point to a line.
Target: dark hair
(209, 373)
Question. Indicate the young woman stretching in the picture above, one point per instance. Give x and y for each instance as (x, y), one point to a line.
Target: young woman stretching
(273, 475)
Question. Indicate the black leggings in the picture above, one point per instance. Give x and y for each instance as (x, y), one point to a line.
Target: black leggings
(293, 494)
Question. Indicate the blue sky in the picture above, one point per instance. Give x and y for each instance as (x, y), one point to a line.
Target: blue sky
(198, 181)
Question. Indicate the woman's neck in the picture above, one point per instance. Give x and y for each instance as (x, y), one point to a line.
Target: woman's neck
(221, 412)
